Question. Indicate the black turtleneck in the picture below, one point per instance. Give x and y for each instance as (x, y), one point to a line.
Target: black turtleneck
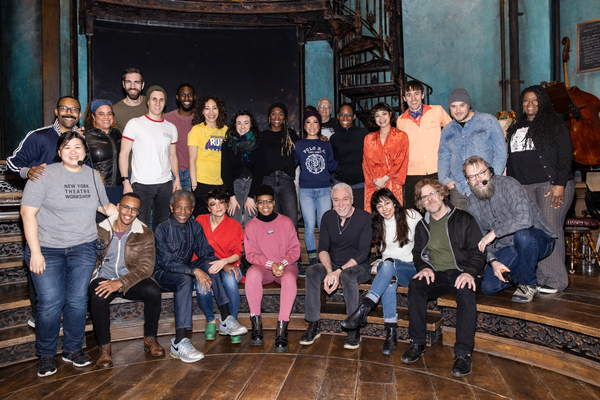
(267, 218)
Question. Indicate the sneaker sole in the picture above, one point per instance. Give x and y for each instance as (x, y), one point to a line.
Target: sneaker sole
(75, 364)
(47, 373)
(548, 291)
(522, 301)
(351, 346)
(236, 339)
(31, 323)
(307, 343)
(186, 360)
(458, 375)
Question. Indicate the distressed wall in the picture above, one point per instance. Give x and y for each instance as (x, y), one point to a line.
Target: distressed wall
(319, 71)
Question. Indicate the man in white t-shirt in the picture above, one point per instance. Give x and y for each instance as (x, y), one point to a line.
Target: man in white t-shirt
(153, 142)
(328, 125)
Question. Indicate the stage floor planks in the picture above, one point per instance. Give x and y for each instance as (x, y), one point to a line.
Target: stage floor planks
(324, 370)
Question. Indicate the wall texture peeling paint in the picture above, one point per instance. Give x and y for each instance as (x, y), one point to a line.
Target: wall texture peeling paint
(22, 69)
(319, 72)
(572, 13)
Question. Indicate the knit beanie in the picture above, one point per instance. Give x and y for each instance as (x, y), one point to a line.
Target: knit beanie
(459, 95)
(278, 105)
(155, 88)
(99, 103)
(309, 114)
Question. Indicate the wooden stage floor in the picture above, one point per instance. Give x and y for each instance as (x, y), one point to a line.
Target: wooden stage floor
(324, 370)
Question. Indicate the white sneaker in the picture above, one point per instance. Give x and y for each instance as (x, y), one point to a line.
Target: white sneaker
(231, 327)
(546, 289)
(185, 351)
(524, 293)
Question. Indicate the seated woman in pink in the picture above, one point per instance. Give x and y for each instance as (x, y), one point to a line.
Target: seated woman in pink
(272, 248)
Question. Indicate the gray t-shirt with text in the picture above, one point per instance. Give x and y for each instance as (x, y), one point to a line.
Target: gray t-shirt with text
(67, 203)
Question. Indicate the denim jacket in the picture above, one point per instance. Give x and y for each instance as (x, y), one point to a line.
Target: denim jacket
(482, 136)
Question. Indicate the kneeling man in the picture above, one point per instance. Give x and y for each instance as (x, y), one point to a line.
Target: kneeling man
(125, 269)
(344, 246)
(448, 261)
(516, 233)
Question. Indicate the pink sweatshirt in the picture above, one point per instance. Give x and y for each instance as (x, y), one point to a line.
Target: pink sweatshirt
(271, 242)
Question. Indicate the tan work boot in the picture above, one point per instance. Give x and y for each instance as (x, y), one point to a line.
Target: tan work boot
(105, 359)
(152, 345)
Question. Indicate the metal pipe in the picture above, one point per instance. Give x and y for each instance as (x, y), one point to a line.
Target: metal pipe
(555, 50)
(513, 40)
(502, 56)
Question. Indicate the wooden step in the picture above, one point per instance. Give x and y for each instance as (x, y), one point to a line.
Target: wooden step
(360, 45)
(14, 295)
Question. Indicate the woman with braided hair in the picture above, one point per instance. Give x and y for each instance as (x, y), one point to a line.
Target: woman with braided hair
(540, 155)
(280, 161)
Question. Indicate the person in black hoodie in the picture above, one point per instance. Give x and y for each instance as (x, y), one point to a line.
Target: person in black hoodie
(104, 141)
(242, 163)
(347, 145)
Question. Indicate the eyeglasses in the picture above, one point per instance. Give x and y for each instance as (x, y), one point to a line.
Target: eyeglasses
(268, 202)
(340, 115)
(480, 174)
(323, 106)
(66, 108)
(127, 209)
(429, 196)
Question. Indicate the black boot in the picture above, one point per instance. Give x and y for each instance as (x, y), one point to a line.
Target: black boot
(358, 317)
(256, 337)
(391, 339)
(281, 340)
(312, 332)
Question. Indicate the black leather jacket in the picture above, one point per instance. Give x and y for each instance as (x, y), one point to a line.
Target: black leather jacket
(104, 153)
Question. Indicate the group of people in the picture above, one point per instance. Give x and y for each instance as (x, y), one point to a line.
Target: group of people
(215, 193)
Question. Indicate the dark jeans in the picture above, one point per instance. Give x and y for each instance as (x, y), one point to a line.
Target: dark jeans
(155, 199)
(408, 190)
(146, 290)
(530, 246)
(286, 198)
(182, 285)
(62, 290)
(419, 292)
(202, 190)
(350, 278)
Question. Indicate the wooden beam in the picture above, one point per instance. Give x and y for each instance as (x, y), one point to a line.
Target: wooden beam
(224, 7)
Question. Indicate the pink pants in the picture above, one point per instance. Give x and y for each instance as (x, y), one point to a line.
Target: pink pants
(257, 276)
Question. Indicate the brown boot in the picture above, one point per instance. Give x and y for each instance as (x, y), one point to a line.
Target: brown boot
(152, 345)
(105, 359)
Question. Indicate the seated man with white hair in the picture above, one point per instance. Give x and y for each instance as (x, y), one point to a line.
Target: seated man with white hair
(344, 245)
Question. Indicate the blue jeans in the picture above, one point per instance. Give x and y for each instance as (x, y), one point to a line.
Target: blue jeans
(205, 300)
(384, 286)
(182, 285)
(184, 179)
(63, 284)
(241, 188)
(530, 245)
(313, 200)
(286, 199)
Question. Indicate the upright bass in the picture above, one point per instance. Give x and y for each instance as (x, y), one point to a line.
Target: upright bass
(583, 123)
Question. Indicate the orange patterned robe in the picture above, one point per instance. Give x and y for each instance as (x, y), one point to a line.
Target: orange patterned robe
(389, 159)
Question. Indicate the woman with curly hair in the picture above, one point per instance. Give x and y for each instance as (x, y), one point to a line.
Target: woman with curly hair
(104, 141)
(242, 163)
(385, 155)
(204, 145)
(280, 161)
(540, 155)
(393, 238)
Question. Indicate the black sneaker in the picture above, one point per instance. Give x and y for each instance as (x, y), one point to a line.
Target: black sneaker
(78, 358)
(301, 271)
(412, 354)
(353, 340)
(46, 366)
(462, 366)
(312, 333)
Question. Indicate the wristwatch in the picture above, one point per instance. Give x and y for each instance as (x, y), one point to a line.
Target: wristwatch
(491, 261)
(124, 178)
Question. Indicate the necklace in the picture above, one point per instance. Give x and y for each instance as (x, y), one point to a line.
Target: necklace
(345, 225)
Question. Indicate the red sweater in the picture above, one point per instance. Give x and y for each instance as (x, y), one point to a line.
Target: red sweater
(271, 242)
(226, 240)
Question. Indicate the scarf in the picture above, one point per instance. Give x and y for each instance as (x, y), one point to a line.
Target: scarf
(416, 114)
(245, 144)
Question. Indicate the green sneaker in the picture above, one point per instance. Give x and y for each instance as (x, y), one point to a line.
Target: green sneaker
(210, 331)
(236, 339)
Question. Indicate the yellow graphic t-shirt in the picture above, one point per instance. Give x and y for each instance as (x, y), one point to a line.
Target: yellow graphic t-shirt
(208, 164)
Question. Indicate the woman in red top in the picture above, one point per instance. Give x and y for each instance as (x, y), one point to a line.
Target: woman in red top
(385, 155)
(226, 237)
